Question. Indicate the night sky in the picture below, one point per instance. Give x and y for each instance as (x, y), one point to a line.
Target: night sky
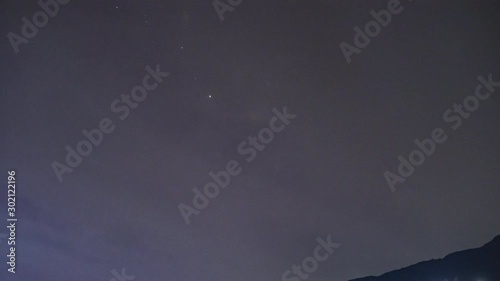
(321, 176)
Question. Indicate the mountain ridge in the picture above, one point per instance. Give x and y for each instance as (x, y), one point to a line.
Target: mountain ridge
(475, 264)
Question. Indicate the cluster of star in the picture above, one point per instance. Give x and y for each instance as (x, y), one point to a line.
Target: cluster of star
(148, 23)
(146, 19)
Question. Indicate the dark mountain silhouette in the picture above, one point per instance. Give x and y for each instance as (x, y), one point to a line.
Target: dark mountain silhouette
(480, 264)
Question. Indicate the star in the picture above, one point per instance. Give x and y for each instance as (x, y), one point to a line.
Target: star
(209, 96)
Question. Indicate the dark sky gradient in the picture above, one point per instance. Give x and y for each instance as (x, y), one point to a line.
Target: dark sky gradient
(322, 175)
